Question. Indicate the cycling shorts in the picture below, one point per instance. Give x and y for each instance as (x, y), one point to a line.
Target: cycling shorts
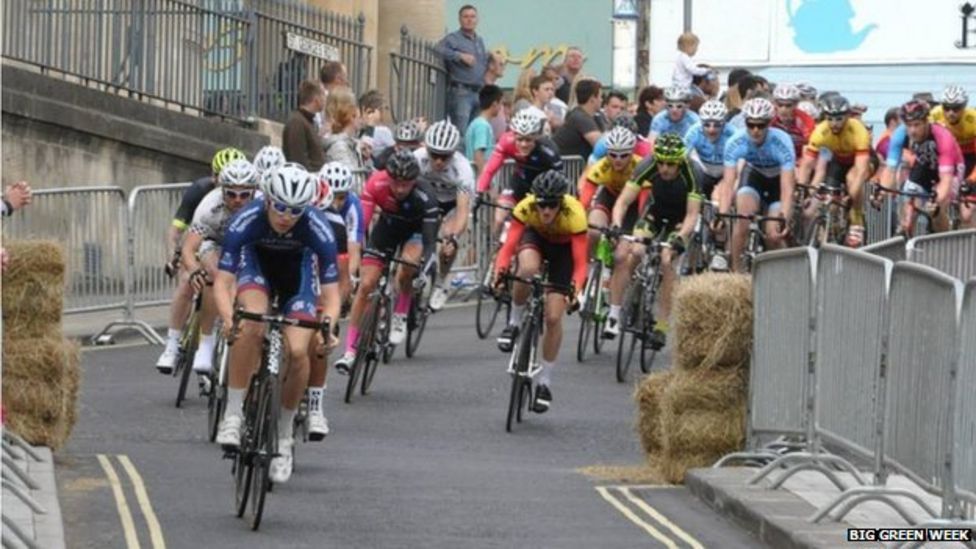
(515, 191)
(709, 182)
(292, 277)
(655, 221)
(384, 240)
(559, 256)
(763, 188)
(604, 200)
(837, 173)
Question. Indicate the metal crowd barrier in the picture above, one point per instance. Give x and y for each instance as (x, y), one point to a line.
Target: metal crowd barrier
(18, 483)
(880, 223)
(953, 253)
(964, 429)
(90, 223)
(151, 213)
(892, 248)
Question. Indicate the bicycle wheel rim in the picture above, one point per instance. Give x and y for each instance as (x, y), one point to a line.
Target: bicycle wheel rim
(365, 355)
(586, 314)
(416, 322)
(265, 444)
(243, 462)
(628, 323)
(486, 313)
(185, 369)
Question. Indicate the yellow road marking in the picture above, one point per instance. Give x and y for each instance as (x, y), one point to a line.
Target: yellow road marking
(654, 532)
(155, 532)
(125, 515)
(661, 519)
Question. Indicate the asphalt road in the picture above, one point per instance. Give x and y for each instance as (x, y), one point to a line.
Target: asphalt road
(424, 461)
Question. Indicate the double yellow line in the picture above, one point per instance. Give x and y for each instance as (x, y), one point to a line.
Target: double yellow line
(122, 503)
(656, 524)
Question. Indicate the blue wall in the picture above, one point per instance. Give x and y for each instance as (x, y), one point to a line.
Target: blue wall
(880, 87)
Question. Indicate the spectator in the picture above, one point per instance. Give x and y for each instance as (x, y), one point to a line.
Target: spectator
(580, 131)
(556, 106)
(499, 124)
(732, 98)
(299, 140)
(479, 139)
(891, 120)
(703, 88)
(466, 61)
(650, 101)
(379, 137)
(541, 92)
(342, 146)
(684, 67)
(571, 69)
(523, 89)
(15, 197)
(613, 104)
(496, 68)
(332, 75)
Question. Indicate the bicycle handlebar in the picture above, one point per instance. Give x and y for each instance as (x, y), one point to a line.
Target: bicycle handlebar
(277, 320)
(610, 233)
(882, 189)
(537, 281)
(756, 218)
(479, 202)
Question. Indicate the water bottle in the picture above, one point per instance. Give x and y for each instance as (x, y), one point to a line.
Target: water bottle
(605, 278)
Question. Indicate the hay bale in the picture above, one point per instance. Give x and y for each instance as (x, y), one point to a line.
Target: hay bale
(674, 468)
(706, 390)
(648, 394)
(40, 388)
(712, 320)
(33, 289)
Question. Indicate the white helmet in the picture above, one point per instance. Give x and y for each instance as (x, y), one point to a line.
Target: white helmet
(786, 92)
(620, 139)
(677, 93)
(810, 108)
(527, 122)
(238, 173)
(758, 108)
(442, 137)
(954, 95)
(324, 195)
(268, 157)
(337, 176)
(713, 110)
(291, 185)
(807, 91)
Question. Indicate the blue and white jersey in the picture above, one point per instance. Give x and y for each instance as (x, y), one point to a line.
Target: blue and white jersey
(352, 213)
(250, 227)
(711, 154)
(773, 156)
(662, 123)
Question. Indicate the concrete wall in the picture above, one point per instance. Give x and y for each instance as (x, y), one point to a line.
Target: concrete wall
(57, 133)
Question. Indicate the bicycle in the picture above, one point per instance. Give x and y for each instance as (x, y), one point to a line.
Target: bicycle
(830, 223)
(966, 197)
(701, 246)
(420, 304)
(523, 364)
(259, 436)
(485, 314)
(217, 381)
(596, 296)
(920, 221)
(755, 241)
(374, 332)
(189, 341)
(637, 308)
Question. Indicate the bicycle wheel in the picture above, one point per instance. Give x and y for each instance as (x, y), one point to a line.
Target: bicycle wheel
(631, 324)
(419, 311)
(363, 349)
(647, 353)
(244, 458)
(382, 333)
(487, 308)
(266, 445)
(587, 319)
(217, 398)
(185, 367)
(522, 354)
(601, 311)
(371, 359)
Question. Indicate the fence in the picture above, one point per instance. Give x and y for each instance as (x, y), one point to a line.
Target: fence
(891, 376)
(953, 253)
(232, 58)
(418, 81)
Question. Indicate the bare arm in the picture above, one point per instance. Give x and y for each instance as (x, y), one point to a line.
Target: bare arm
(189, 256)
(620, 207)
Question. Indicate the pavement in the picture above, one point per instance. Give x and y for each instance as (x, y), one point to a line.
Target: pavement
(423, 461)
(39, 520)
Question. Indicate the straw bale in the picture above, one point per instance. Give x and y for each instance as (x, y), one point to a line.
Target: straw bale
(674, 468)
(33, 288)
(712, 320)
(706, 390)
(648, 394)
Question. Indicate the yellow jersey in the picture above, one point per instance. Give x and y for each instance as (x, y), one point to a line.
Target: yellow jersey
(964, 131)
(852, 141)
(571, 219)
(602, 173)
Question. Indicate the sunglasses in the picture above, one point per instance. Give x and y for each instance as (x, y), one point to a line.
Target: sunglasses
(669, 163)
(954, 108)
(836, 118)
(285, 209)
(786, 104)
(713, 124)
(618, 156)
(524, 139)
(242, 195)
(676, 106)
(547, 205)
(757, 125)
(441, 157)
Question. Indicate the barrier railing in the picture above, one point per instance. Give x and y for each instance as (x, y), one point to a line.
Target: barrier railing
(880, 223)
(418, 80)
(892, 248)
(953, 253)
(964, 429)
(151, 212)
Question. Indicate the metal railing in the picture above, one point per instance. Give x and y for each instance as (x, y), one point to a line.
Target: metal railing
(18, 482)
(892, 248)
(151, 212)
(418, 80)
(964, 429)
(880, 223)
(231, 58)
(953, 253)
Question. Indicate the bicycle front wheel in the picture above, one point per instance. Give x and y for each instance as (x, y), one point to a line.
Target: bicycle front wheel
(631, 326)
(266, 445)
(488, 306)
(217, 397)
(184, 365)
(587, 319)
(372, 360)
(647, 302)
(419, 311)
(364, 347)
(522, 354)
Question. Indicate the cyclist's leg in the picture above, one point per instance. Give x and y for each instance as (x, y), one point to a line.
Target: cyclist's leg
(412, 252)
(178, 312)
(345, 286)
(370, 276)
(771, 228)
(599, 216)
(909, 207)
(747, 202)
(203, 360)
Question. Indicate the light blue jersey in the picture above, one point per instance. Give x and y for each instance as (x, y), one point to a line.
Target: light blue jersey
(711, 154)
(770, 158)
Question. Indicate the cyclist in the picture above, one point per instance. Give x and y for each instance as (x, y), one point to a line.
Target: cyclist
(960, 120)
(272, 247)
(549, 224)
(676, 117)
(673, 207)
(410, 215)
(406, 135)
(808, 100)
(642, 148)
(179, 310)
(937, 168)
(766, 181)
(201, 248)
(533, 154)
(347, 203)
(449, 174)
(790, 118)
(603, 181)
(705, 142)
(266, 159)
(332, 177)
(849, 144)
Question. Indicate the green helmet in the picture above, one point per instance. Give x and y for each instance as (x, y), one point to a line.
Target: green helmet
(669, 148)
(223, 157)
